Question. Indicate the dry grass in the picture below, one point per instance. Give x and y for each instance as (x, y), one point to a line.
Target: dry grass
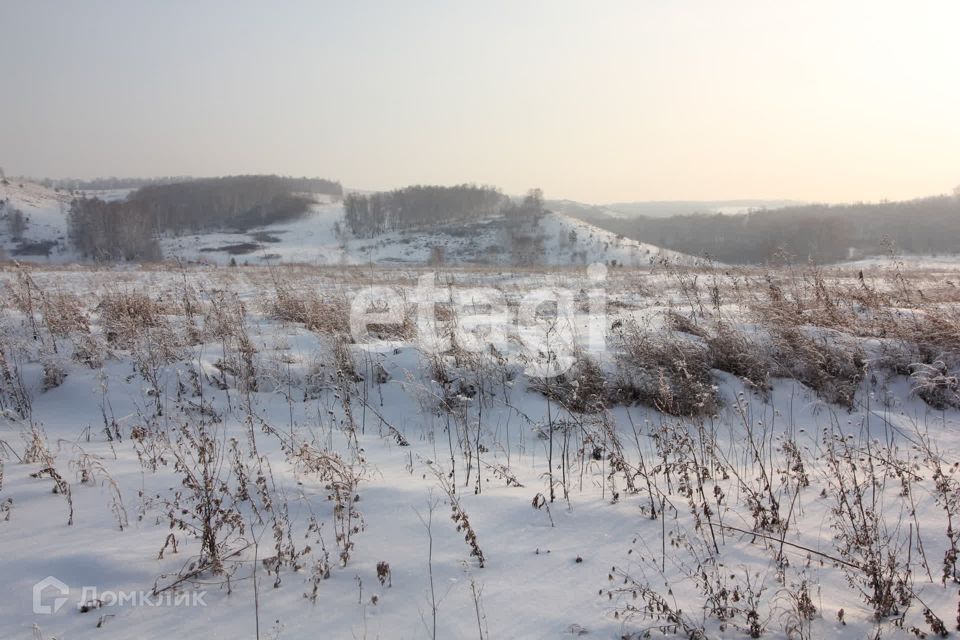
(582, 389)
(833, 368)
(664, 371)
(320, 314)
(731, 350)
(125, 315)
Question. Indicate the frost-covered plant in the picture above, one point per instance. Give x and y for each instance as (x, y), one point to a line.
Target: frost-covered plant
(342, 481)
(205, 506)
(936, 384)
(459, 515)
(870, 545)
(669, 373)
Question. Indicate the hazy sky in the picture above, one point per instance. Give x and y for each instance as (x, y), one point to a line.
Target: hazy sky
(598, 101)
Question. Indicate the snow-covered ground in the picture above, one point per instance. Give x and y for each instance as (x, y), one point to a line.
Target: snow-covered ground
(347, 484)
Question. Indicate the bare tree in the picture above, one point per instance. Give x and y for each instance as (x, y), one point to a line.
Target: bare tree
(16, 224)
(419, 206)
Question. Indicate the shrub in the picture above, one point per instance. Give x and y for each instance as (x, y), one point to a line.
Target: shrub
(665, 372)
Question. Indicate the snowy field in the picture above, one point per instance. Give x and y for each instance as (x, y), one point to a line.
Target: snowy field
(213, 452)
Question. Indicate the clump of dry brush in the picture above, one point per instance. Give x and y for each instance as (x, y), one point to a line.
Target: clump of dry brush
(842, 328)
(664, 371)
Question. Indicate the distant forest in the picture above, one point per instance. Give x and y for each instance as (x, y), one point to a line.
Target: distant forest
(419, 206)
(374, 214)
(304, 184)
(821, 233)
(238, 202)
(106, 183)
(128, 229)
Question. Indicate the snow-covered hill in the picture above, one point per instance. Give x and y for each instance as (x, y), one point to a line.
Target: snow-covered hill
(321, 238)
(45, 214)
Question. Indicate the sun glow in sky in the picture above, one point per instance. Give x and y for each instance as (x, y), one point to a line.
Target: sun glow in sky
(599, 102)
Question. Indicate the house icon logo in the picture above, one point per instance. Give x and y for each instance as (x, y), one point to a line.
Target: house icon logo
(49, 585)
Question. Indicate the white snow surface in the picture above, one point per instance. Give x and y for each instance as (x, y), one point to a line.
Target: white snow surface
(544, 570)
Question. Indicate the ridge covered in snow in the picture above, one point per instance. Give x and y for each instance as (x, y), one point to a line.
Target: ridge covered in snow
(321, 238)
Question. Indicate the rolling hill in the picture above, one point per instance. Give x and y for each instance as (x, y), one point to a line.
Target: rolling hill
(557, 239)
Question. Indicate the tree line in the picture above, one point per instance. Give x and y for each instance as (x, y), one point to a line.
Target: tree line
(301, 184)
(237, 202)
(128, 229)
(114, 230)
(423, 205)
(16, 221)
(817, 232)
